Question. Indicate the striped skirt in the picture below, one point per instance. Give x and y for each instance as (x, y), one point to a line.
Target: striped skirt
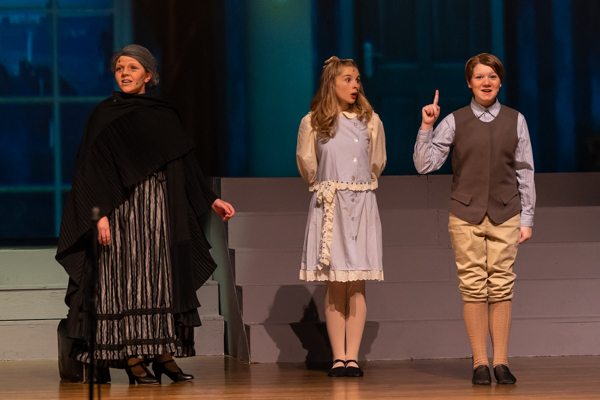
(134, 301)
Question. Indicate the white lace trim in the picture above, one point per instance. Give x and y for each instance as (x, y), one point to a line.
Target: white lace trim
(326, 195)
(340, 276)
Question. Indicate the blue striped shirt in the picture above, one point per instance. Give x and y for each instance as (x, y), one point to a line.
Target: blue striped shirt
(433, 146)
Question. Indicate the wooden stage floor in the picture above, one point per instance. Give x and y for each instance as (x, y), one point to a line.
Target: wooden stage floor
(226, 378)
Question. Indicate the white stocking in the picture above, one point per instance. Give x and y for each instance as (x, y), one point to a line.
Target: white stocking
(335, 311)
(356, 315)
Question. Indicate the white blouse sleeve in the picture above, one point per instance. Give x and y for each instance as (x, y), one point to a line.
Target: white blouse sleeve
(306, 155)
(376, 147)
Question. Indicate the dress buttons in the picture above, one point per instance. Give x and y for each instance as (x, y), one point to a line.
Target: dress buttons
(356, 124)
(356, 140)
(352, 219)
(354, 159)
(352, 200)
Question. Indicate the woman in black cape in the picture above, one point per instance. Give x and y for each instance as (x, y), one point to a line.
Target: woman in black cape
(136, 164)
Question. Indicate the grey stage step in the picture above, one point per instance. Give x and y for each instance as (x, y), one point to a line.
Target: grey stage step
(32, 304)
(33, 285)
(29, 318)
(417, 311)
(48, 303)
(280, 266)
(210, 338)
(408, 227)
(32, 290)
(401, 192)
(37, 340)
(386, 302)
(286, 229)
(553, 190)
(291, 194)
(421, 301)
(31, 267)
(399, 340)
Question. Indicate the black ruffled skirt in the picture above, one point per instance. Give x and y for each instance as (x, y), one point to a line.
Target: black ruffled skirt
(134, 298)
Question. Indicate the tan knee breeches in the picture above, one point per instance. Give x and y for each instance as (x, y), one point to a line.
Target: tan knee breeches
(485, 254)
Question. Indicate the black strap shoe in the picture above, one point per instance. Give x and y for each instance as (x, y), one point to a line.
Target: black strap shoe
(159, 369)
(503, 375)
(337, 372)
(353, 371)
(146, 379)
(481, 375)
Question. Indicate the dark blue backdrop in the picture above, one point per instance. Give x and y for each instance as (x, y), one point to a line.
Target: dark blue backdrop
(243, 72)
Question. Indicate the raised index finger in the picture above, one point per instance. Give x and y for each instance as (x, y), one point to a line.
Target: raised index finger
(436, 98)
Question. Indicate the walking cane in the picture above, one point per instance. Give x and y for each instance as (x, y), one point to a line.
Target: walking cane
(91, 301)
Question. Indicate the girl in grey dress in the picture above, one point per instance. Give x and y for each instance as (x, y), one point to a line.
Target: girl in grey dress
(340, 154)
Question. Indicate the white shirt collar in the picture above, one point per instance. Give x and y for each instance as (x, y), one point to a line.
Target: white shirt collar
(349, 114)
(479, 110)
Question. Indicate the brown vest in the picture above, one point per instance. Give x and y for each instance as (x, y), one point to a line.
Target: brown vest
(483, 161)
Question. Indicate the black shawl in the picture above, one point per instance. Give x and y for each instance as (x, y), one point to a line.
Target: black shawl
(127, 138)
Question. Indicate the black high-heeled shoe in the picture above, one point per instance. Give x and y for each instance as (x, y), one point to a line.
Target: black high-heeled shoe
(147, 379)
(159, 369)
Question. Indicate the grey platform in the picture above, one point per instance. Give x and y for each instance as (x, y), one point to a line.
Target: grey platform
(32, 290)
(416, 312)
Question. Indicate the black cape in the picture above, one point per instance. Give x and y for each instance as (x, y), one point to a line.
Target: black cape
(127, 138)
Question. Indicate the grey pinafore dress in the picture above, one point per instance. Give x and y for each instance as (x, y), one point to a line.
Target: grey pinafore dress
(343, 243)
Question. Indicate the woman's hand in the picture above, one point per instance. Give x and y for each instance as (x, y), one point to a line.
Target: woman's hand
(103, 231)
(223, 208)
(430, 113)
(525, 234)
